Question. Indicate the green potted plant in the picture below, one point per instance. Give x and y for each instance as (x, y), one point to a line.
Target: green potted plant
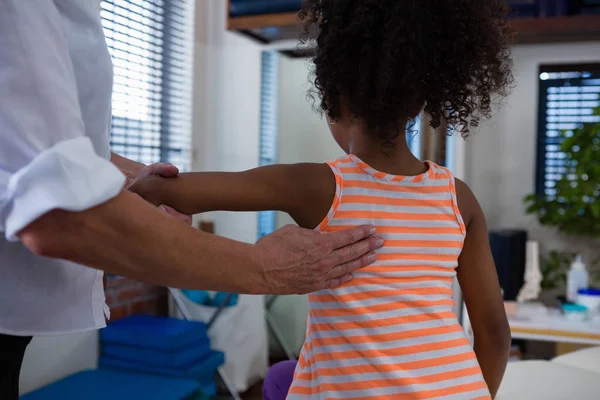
(575, 208)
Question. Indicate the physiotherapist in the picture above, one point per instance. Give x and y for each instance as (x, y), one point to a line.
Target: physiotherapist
(64, 203)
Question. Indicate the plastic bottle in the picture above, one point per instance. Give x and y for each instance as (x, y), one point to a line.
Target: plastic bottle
(577, 278)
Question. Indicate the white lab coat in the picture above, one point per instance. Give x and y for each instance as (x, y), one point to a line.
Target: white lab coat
(55, 100)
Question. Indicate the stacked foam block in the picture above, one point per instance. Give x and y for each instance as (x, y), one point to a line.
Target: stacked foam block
(160, 346)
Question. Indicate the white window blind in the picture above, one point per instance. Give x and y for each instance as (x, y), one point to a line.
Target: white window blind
(269, 127)
(568, 96)
(151, 44)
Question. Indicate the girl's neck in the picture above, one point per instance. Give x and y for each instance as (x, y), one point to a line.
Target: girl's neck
(393, 158)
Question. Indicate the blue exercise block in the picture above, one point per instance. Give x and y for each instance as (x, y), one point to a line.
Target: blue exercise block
(154, 332)
(117, 385)
(197, 296)
(203, 298)
(161, 358)
(203, 370)
(220, 297)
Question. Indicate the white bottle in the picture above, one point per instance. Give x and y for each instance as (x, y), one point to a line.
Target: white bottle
(577, 278)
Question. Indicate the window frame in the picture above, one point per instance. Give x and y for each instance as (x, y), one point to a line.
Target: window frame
(541, 134)
(269, 128)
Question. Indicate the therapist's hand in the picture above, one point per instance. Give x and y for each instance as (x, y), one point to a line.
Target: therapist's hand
(298, 261)
(165, 170)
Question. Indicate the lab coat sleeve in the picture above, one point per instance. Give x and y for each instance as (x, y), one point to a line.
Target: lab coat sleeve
(46, 161)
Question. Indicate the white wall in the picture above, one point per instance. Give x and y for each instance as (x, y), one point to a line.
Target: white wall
(303, 132)
(226, 107)
(49, 359)
(501, 157)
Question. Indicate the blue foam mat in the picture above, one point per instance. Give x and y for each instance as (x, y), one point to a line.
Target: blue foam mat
(161, 358)
(203, 371)
(154, 332)
(117, 385)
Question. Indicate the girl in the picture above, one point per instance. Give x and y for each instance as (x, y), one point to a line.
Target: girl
(389, 333)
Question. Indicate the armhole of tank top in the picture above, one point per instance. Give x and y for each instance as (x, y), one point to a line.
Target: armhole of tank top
(339, 183)
(457, 213)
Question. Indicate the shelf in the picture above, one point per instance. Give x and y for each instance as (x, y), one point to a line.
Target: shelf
(558, 29)
(262, 21)
(276, 27)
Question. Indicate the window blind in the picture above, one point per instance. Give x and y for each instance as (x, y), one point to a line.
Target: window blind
(269, 127)
(413, 136)
(568, 96)
(150, 42)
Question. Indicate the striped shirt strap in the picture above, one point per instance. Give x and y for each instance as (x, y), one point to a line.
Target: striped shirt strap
(339, 185)
(457, 213)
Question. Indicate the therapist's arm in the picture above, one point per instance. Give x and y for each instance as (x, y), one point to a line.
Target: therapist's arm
(128, 236)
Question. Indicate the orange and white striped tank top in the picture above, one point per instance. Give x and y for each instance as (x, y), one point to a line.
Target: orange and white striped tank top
(391, 332)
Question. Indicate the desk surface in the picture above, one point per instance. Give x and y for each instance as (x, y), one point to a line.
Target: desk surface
(549, 325)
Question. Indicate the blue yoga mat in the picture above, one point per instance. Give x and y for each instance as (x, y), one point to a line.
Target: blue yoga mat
(154, 332)
(116, 385)
(202, 371)
(178, 358)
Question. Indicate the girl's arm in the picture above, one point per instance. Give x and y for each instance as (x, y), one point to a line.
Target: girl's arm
(305, 191)
(478, 280)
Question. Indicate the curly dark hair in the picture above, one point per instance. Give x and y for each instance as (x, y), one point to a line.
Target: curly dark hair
(387, 59)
